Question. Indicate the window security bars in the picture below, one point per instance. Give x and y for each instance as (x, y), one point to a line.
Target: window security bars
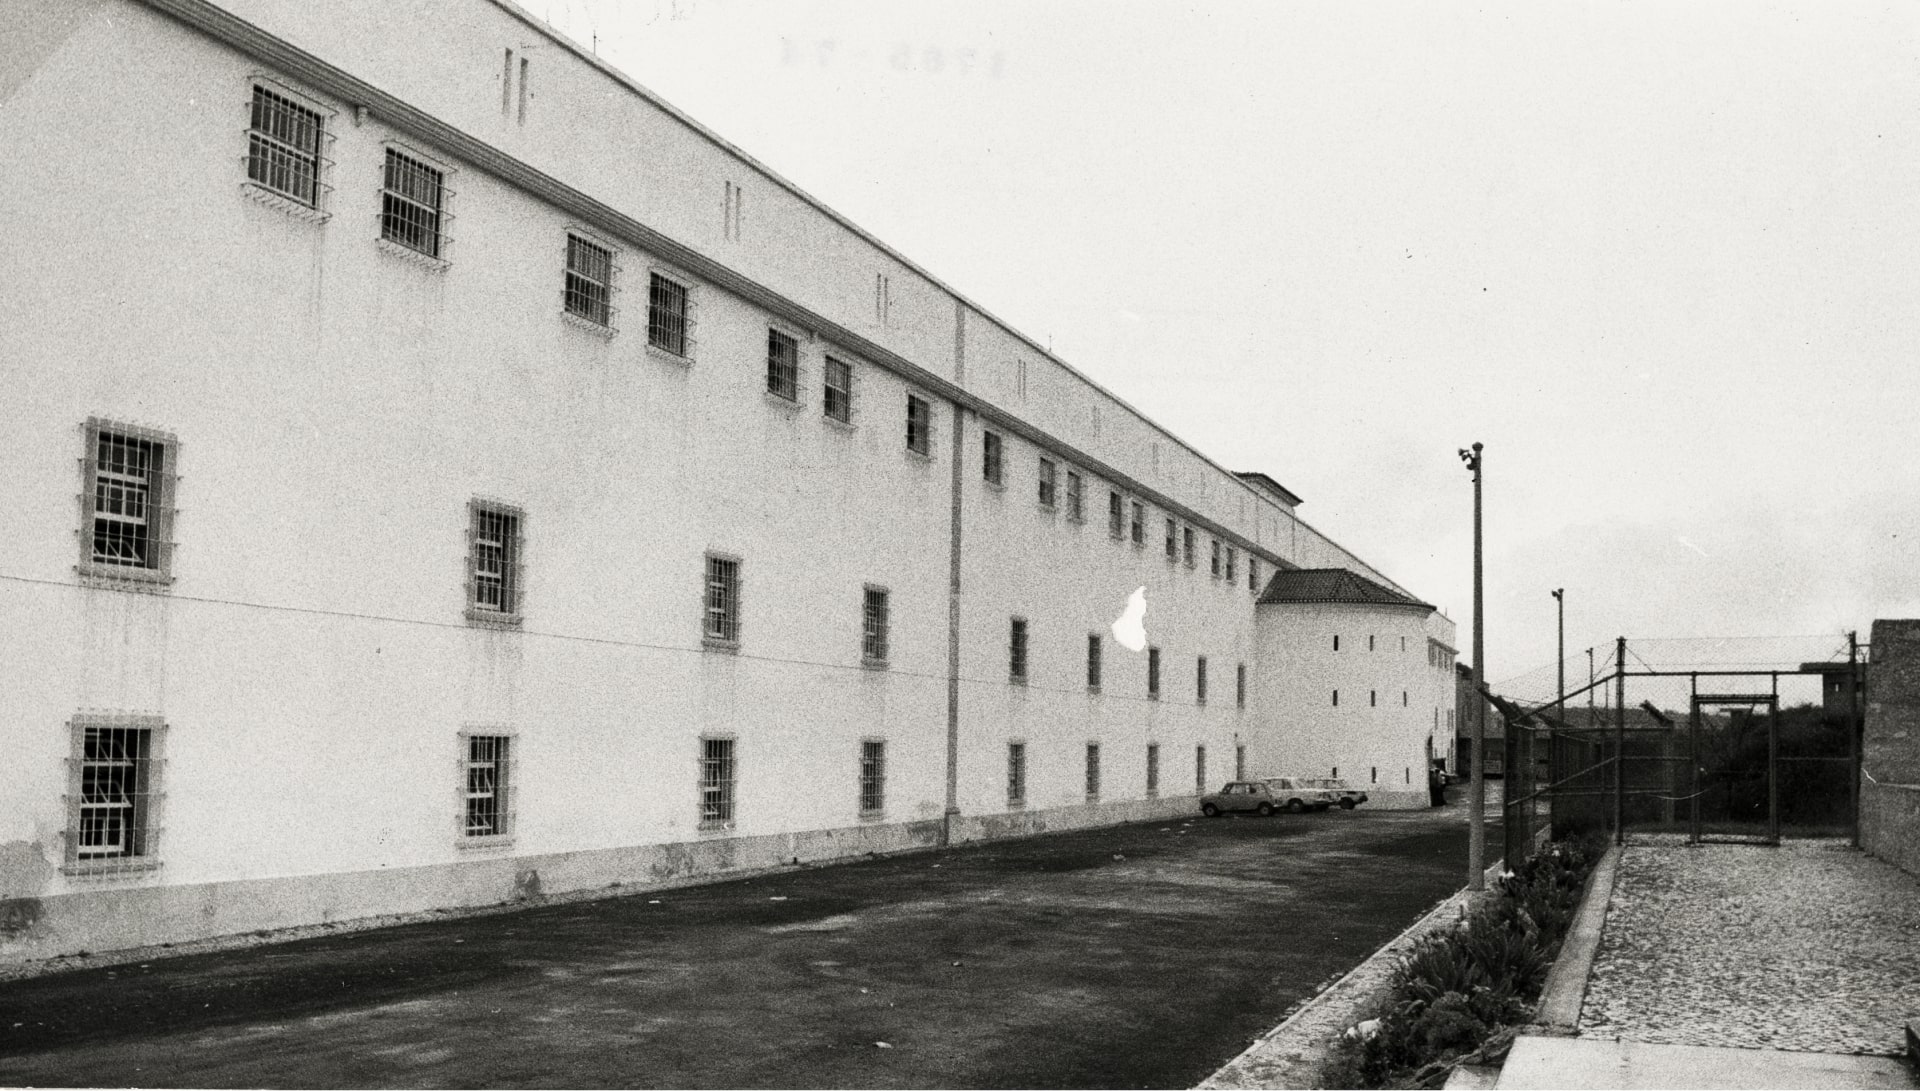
(1016, 773)
(284, 141)
(716, 783)
(1200, 769)
(1137, 528)
(1093, 772)
(783, 366)
(1115, 519)
(1232, 572)
(1153, 674)
(873, 643)
(1186, 545)
(837, 396)
(128, 502)
(494, 565)
(1253, 574)
(1200, 681)
(919, 426)
(723, 601)
(1173, 542)
(1076, 498)
(488, 759)
(990, 458)
(112, 793)
(1017, 652)
(873, 777)
(1153, 770)
(588, 292)
(1093, 662)
(413, 205)
(669, 316)
(1046, 483)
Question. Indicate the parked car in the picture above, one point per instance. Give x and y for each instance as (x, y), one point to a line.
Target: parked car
(1347, 797)
(1263, 797)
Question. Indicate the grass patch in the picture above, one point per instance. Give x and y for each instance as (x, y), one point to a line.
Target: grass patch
(1460, 994)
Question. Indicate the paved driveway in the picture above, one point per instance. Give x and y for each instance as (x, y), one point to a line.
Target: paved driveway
(1144, 955)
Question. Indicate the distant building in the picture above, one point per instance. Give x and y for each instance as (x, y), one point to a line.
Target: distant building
(1466, 702)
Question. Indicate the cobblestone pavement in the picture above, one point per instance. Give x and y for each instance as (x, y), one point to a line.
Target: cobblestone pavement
(1808, 946)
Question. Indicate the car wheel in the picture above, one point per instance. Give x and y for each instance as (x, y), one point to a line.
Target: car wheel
(1210, 811)
(1266, 809)
(1295, 806)
(1346, 804)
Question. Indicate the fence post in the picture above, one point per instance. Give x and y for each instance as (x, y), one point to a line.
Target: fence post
(1853, 733)
(1620, 741)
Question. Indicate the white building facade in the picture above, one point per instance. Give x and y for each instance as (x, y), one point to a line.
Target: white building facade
(434, 478)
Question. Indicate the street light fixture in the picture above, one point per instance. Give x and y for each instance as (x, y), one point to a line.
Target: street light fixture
(1477, 802)
(1560, 608)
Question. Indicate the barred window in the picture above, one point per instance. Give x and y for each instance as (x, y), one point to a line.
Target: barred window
(284, 140)
(1240, 685)
(873, 645)
(1239, 762)
(919, 426)
(723, 601)
(1076, 498)
(1093, 772)
(1016, 773)
(1116, 517)
(783, 366)
(588, 291)
(487, 761)
(669, 316)
(1153, 770)
(413, 204)
(1216, 558)
(1200, 681)
(990, 458)
(495, 547)
(1137, 527)
(1253, 574)
(836, 399)
(1232, 571)
(1094, 646)
(127, 482)
(716, 783)
(1173, 542)
(1200, 769)
(1017, 651)
(112, 794)
(1186, 545)
(1046, 483)
(873, 776)
(1153, 674)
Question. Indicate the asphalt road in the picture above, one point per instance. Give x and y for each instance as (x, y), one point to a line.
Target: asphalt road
(1138, 956)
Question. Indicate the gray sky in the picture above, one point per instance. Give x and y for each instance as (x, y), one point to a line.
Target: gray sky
(1661, 259)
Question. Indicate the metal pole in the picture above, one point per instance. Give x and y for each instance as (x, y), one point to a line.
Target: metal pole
(1477, 802)
(1773, 765)
(1620, 742)
(1693, 758)
(1589, 687)
(1853, 732)
(1560, 609)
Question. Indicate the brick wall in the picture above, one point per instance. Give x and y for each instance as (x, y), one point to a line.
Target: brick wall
(1890, 748)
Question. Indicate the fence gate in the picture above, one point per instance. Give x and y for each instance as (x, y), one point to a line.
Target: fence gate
(1734, 793)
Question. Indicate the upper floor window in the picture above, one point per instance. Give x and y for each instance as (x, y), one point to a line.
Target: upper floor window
(284, 147)
(1240, 685)
(669, 316)
(494, 544)
(1232, 573)
(1076, 497)
(722, 618)
(588, 290)
(127, 503)
(413, 205)
(1200, 681)
(1116, 516)
(1017, 651)
(1137, 526)
(919, 426)
(990, 458)
(1173, 541)
(1253, 574)
(783, 366)
(1186, 545)
(874, 622)
(1216, 558)
(1153, 674)
(1094, 645)
(1046, 483)
(837, 397)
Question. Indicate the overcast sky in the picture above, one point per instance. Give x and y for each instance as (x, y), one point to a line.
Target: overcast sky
(1663, 260)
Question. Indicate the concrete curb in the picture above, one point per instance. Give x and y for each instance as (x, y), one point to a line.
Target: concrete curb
(1566, 988)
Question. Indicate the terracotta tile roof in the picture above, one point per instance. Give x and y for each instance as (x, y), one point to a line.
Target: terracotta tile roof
(1332, 585)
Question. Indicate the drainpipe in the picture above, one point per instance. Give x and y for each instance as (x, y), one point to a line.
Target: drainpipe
(953, 584)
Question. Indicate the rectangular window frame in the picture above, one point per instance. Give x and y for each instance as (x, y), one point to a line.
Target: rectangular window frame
(1137, 525)
(1018, 638)
(875, 621)
(115, 769)
(717, 780)
(993, 468)
(496, 563)
(288, 137)
(1200, 680)
(721, 586)
(919, 426)
(873, 778)
(670, 314)
(1173, 542)
(1093, 772)
(1116, 516)
(1216, 557)
(587, 287)
(1240, 685)
(415, 204)
(1186, 545)
(1076, 498)
(492, 752)
(836, 390)
(1096, 652)
(1153, 770)
(1046, 476)
(127, 506)
(783, 365)
(1153, 673)
(1200, 769)
(1016, 773)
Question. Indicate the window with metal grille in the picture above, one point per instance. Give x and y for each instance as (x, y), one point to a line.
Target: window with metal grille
(783, 366)
(1173, 541)
(1153, 674)
(1216, 557)
(113, 798)
(722, 617)
(873, 776)
(413, 205)
(1240, 686)
(990, 458)
(588, 290)
(1153, 770)
(1093, 772)
(1239, 762)
(1116, 517)
(1017, 651)
(836, 395)
(1253, 574)
(669, 316)
(716, 783)
(1094, 646)
(873, 640)
(1076, 498)
(1016, 773)
(1186, 544)
(1137, 526)
(494, 551)
(127, 500)
(284, 141)
(919, 426)
(1200, 769)
(487, 761)
(1046, 483)
(1232, 570)
(1200, 681)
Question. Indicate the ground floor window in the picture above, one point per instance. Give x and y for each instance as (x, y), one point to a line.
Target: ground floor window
(1093, 772)
(1153, 770)
(486, 762)
(873, 776)
(1200, 769)
(1016, 773)
(716, 783)
(113, 792)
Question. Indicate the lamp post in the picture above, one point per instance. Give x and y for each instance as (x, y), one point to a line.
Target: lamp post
(1477, 802)
(1560, 609)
